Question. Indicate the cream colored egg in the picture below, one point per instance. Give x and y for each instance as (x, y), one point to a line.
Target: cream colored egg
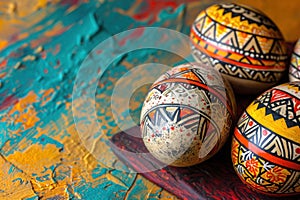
(187, 115)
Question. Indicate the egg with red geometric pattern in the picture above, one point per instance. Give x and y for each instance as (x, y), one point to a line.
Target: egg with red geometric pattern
(266, 144)
(242, 43)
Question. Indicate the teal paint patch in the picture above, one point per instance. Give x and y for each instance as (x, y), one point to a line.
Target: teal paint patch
(45, 140)
(56, 66)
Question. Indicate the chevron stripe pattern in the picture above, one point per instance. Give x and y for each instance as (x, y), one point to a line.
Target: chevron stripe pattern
(266, 144)
(240, 42)
(294, 70)
(186, 117)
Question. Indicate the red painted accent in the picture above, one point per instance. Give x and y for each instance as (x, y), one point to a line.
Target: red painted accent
(99, 51)
(43, 54)
(3, 63)
(279, 95)
(182, 80)
(210, 77)
(8, 101)
(69, 2)
(298, 150)
(135, 34)
(150, 9)
(265, 132)
(251, 123)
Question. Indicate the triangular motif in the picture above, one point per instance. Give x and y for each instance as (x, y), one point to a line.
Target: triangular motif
(211, 32)
(173, 112)
(199, 23)
(252, 45)
(276, 48)
(279, 95)
(245, 60)
(191, 76)
(230, 39)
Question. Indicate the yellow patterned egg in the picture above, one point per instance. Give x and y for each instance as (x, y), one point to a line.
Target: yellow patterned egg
(266, 144)
(242, 43)
(294, 70)
(187, 115)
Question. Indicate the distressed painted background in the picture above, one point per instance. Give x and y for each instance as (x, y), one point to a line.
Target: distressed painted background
(42, 44)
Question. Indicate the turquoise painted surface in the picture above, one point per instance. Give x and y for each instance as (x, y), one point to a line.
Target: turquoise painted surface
(41, 153)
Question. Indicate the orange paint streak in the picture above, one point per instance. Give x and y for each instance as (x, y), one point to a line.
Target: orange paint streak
(3, 63)
(36, 43)
(58, 29)
(2, 75)
(47, 96)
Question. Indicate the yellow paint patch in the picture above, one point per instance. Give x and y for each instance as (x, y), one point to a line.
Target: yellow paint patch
(36, 158)
(3, 44)
(278, 126)
(15, 183)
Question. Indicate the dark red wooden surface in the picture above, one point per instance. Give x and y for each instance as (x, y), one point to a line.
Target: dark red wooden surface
(212, 179)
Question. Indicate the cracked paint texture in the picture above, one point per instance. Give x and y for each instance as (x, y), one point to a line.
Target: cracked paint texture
(42, 45)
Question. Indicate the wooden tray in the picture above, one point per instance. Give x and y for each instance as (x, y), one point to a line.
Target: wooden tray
(212, 179)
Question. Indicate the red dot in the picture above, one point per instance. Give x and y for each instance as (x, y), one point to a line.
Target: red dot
(250, 123)
(172, 128)
(210, 77)
(298, 150)
(265, 132)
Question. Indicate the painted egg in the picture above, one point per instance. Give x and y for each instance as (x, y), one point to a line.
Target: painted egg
(242, 43)
(187, 115)
(266, 144)
(294, 70)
